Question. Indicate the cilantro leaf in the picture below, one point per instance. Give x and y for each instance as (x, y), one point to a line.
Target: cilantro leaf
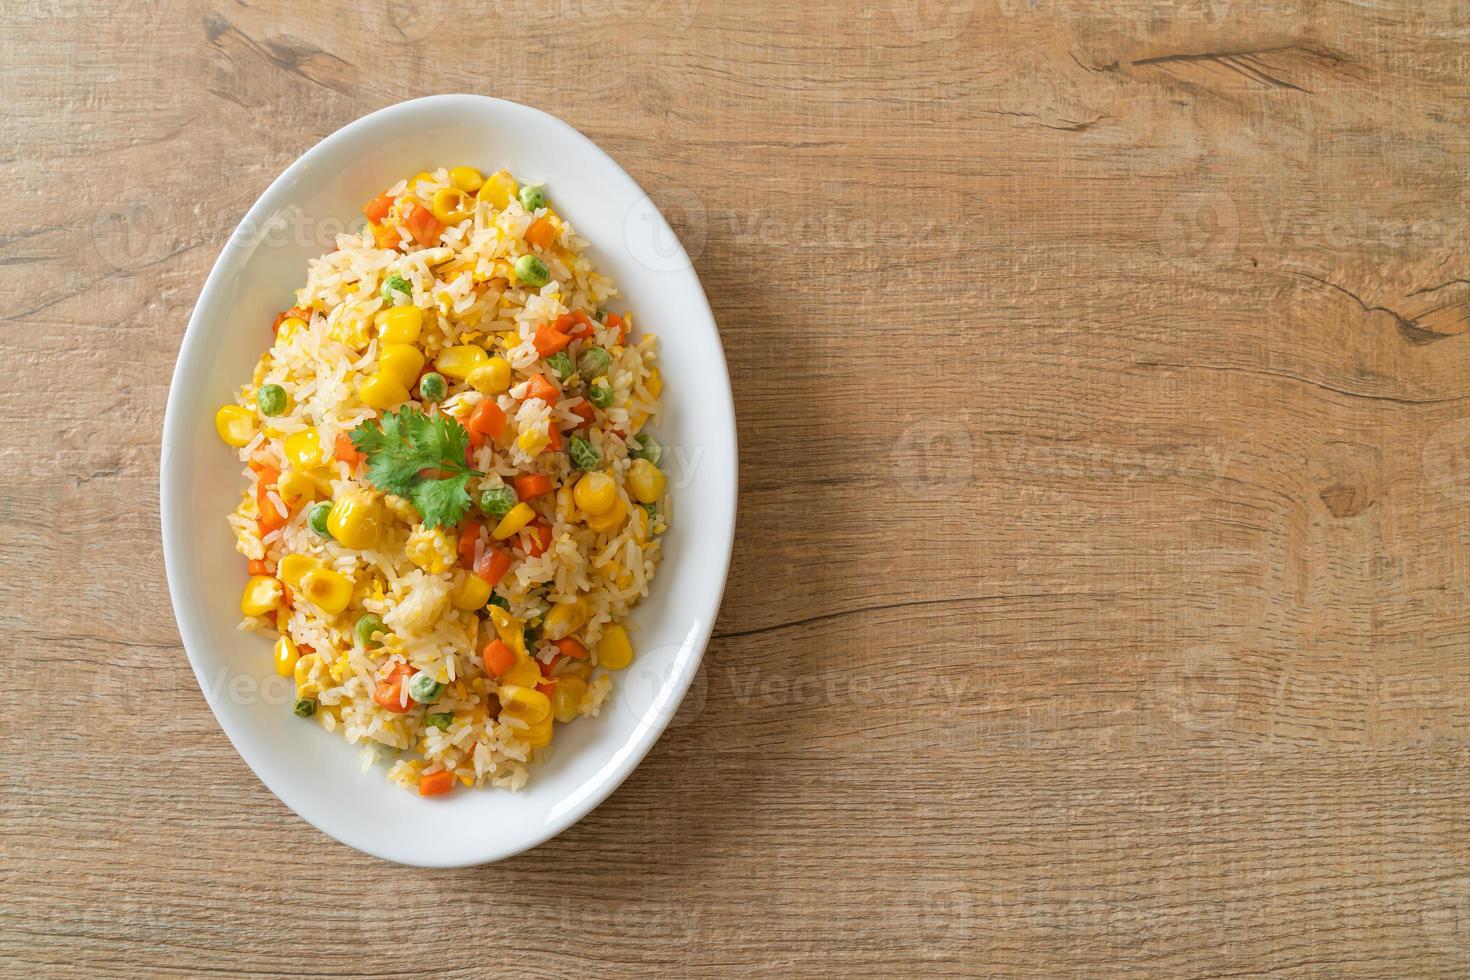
(442, 502)
(421, 457)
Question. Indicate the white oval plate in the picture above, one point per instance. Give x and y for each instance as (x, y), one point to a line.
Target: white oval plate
(318, 774)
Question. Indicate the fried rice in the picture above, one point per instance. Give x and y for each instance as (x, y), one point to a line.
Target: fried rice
(449, 641)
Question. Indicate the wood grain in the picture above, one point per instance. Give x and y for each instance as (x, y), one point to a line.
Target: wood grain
(1099, 603)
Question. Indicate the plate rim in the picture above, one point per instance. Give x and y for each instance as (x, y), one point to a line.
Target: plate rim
(673, 689)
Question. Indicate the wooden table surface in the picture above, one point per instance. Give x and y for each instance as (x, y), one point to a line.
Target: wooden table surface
(1099, 601)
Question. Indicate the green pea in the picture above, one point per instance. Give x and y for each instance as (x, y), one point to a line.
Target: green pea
(433, 387)
(532, 198)
(593, 362)
(561, 364)
(423, 688)
(305, 707)
(646, 447)
(395, 284)
(365, 627)
(531, 271)
(271, 399)
(497, 501)
(582, 453)
(496, 599)
(440, 719)
(600, 395)
(316, 518)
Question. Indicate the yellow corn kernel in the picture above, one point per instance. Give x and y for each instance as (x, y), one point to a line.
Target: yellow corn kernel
(402, 508)
(614, 650)
(636, 421)
(293, 567)
(289, 328)
(518, 517)
(490, 378)
(430, 549)
(654, 383)
(498, 188)
(470, 592)
(328, 590)
(566, 697)
(401, 362)
(354, 520)
(382, 392)
(467, 179)
(611, 519)
(304, 448)
(296, 487)
(351, 329)
(532, 442)
(564, 619)
(646, 481)
(400, 325)
(286, 656)
(307, 686)
(525, 703)
(449, 204)
(235, 424)
(262, 594)
(508, 629)
(321, 477)
(457, 362)
(538, 735)
(525, 672)
(595, 492)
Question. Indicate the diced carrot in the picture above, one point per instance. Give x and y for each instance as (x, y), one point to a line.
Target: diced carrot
(377, 209)
(269, 518)
(532, 485)
(498, 658)
(540, 233)
(386, 237)
(553, 438)
(486, 420)
(549, 340)
(344, 450)
(547, 687)
(542, 539)
(539, 387)
(257, 566)
(571, 647)
(492, 566)
(389, 691)
(582, 327)
(584, 411)
(436, 783)
(469, 533)
(423, 226)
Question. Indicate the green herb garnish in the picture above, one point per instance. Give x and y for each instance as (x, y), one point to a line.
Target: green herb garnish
(421, 457)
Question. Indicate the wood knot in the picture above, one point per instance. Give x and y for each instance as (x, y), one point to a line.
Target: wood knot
(1346, 476)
